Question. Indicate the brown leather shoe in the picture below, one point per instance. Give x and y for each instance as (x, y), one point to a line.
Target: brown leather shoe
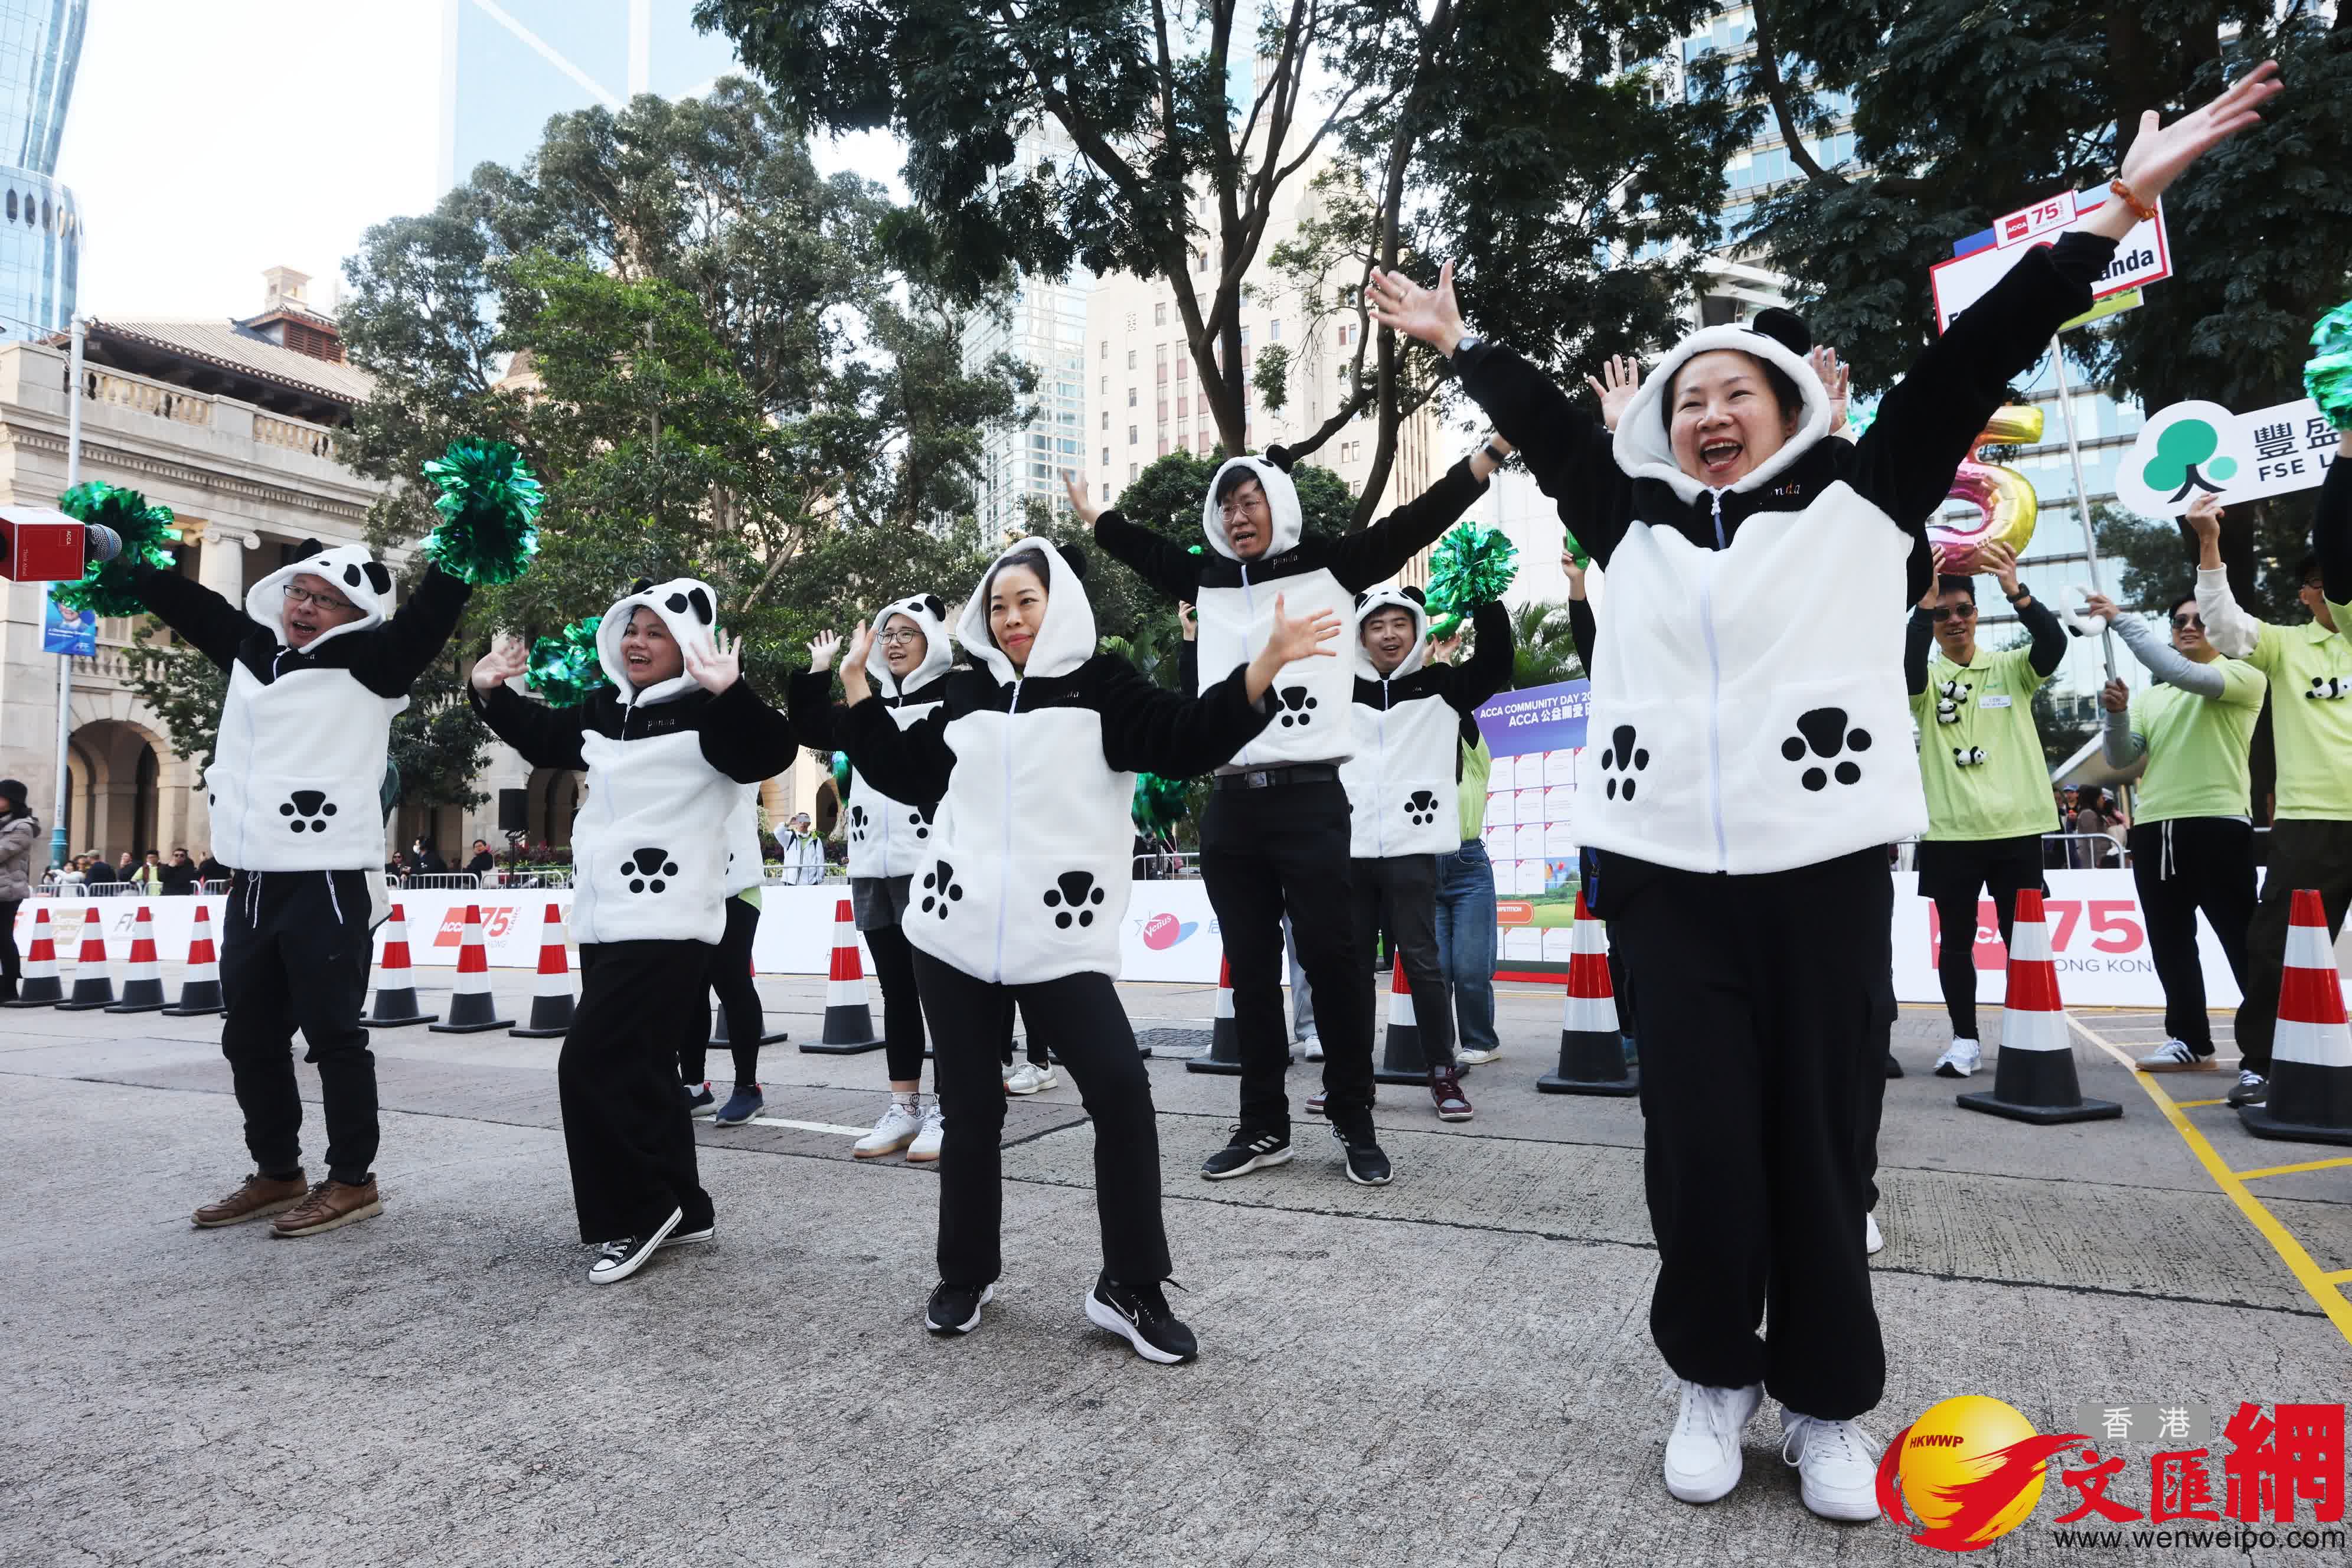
(329, 1204)
(1445, 1091)
(257, 1196)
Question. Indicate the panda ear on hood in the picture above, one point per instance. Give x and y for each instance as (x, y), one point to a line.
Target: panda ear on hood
(1367, 594)
(639, 586)
(1074, 557)
(1784, 327)
(308, 548)
(1417, 596)
(378, 577)
(938, 611)
(1279, 456)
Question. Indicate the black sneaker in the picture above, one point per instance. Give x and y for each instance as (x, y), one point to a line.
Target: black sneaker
(1248, 1152)
(700, 1103)
(1367, 1166)
(1894, 1068)
(1139, 1314)
(616, 1260)
(2253, 1089)
(955, 1309)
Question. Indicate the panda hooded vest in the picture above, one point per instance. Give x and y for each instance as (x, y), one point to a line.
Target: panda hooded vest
(1401, 794)
(1237, 617)
(890, 838)
(296, 778)
(1749, 709)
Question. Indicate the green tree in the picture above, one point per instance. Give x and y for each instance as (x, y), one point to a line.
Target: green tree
(1543, 649)
(181, 687)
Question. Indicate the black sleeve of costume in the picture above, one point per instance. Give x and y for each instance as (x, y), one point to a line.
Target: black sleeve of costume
(744, 737)
(1489, 669)
(808, 699)
(1915, 638)
(547, 737)
(1571, 455)
(2331, 531)
(1167, 566)
(388, 658)
(202, 618)
(1583, 631)
(1905, 462)
(1188, 664)
(912, 763)
(2049, 649)
(1376, 553)
(1147, 729)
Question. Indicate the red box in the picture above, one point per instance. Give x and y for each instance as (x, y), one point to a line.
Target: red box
(39, 544)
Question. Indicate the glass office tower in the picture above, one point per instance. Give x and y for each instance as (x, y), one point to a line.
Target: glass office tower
(40, 228)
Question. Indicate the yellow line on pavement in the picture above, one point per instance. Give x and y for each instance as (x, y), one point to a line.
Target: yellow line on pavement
(2320, 1285)
(2197, 1104)
(2291, 1170)
(2339, 1274)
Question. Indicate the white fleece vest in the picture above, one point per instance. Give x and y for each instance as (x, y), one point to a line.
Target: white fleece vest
(1311, 694)
(1401, 795)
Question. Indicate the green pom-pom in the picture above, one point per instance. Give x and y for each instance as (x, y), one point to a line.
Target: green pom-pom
(1576, 551)
(1471, 566)
(840, 775)
(490, 512)
(565, 668)
(2327, 375)
(147, 535)
(1160, 803)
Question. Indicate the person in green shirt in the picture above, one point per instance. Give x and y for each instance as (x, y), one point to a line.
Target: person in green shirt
(1981, 764)
(2193, 845)
(2310, 671)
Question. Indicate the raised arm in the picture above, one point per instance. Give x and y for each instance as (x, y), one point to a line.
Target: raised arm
(2118, 742)
(547, 737)
(743, 736)
(1916, 638)
(1165, 564)
(1379, 552)
(808, 696)
(388, 658)
(2228, 627)
(1489, 669)
(1147, 729)
(197, 615)
(2164, 662)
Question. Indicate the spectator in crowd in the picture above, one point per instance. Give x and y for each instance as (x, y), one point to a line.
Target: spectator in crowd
(20, 833)
(803, 853)
(2095, 825)
(210, 871)
(398, 865)
(179, 875)
(483, 861)
(127, 868)
(148, 876)
(427, 856)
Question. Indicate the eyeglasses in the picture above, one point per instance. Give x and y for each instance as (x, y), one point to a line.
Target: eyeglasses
(1233, 509)
(1943, 613)
(2183, 623)
(891, 639)
(324, 601)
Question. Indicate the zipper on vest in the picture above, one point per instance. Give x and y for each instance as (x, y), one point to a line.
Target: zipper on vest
(1380, 772)
(1005, 870)
(1249, 619)
(1714, 703)
(1720, 542)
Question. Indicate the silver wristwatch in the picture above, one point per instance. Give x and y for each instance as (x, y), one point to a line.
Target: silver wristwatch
(1469, 341)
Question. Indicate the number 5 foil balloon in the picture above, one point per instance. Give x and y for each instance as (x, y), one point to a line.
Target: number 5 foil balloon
(2004, 499)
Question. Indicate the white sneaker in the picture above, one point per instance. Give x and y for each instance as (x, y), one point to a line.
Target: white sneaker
(1835, 1467)
(1029, 1078)
(1872, 1242)
(2176, 1056)
(898, 1128)
(1311, 1046)
(926, 1146)
(1702, 1450)
(1478, 1059)
(1960, 1059)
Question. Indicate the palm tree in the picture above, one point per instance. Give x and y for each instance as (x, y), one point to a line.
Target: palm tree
(1543, 652)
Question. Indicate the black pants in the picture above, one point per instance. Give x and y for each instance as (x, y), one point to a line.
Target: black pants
(295, 952)
(1763, 1043)
(1079, 1017)
(10, 965)
(1398, 895)
(2179, 867)
(729, 974)
(626, 1130)
(1952, 872)
(1263, 850)
(902, 1007)
(2302, 855)
(1883, 1012)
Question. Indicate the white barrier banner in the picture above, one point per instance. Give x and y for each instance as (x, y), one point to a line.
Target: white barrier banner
(2096, 935)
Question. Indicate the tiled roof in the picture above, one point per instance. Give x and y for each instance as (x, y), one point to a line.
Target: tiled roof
(220, 343)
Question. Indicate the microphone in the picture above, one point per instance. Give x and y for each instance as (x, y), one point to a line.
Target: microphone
(100, 543)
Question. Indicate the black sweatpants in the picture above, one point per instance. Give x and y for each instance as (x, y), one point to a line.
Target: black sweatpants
(295, 952)
(1762, 1042)
(2303, 854)
(729, 974)
(2180, 867)
(1263, 850)
(1399, 894)
(902, 1006)
(626, 1130)
(1079, 1017)
(1951, 872)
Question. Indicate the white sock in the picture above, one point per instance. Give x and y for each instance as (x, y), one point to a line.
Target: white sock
(911, 1100)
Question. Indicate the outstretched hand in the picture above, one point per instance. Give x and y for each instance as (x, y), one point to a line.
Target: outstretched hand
(1837, 380)
(2100, 608)
(1087, 512)
(507, 658)
(1620, 379)
(2159, 152)
(821, 648)
(2205, 515)
(1431, 315)
(716, 663)
(1303, 637)
(2114, 696)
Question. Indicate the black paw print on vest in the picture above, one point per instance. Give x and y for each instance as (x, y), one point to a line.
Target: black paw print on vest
(2328, 688)
(1076, 890)
(858, 820)
(1823, 731)
(1421, 808)
(310, 809)
(1623, 757)
(919, 819)
(941, 888)
(1298, 707)
(645, 870)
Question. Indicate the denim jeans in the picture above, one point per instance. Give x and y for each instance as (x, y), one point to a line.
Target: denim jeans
(1465, 939)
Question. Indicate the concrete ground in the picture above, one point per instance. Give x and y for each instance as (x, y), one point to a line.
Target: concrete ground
(1453, 1369)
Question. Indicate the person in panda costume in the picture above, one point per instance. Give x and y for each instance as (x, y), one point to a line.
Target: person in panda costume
(1023, 892)
(907, 667)
(668, 747)
(1275, 837)
(318, 665)
(1750, 689)
(1403, 799)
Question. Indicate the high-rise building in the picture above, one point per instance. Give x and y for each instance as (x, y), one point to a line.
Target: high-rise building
(40, 228)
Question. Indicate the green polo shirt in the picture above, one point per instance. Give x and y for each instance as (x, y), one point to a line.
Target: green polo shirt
(2313, 733)
(1477, 767)
(2197, 745)
(2007, 795)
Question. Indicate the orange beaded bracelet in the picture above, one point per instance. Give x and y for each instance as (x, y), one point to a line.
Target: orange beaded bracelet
(2140, 209)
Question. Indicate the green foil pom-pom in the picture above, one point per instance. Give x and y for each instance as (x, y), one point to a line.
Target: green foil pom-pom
(841, 776)
(147, 536)
(1160, 803)
(1473, 565)
(488, 504)
(565, 668)
(2327, 375)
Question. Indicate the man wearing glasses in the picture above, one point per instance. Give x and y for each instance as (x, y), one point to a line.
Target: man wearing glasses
(2193, 845)
(1980, 761)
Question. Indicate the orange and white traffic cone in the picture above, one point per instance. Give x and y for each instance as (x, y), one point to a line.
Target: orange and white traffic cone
(1224, 1054)
(91, 986)
(551, 997)
(1591, 1041)
(38, 986)
(143, 979)
(2033, 1078)
(200, 986)
(2310, 1099)
(471, 1009)
(395, 991)
(848, 1021)
(1401, 1057)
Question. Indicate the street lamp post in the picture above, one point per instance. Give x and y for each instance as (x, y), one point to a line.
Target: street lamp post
(65, 660)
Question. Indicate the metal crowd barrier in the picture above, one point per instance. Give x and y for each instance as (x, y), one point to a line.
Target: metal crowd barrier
(437, 879)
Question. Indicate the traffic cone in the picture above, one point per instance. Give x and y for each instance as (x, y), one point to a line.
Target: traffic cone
(200, 987)
(848, 1021)
(142, 983)
(551, 997)
(720, 1039)
(1401, 1057)
(91, 987)
(2034, 1078)
(2310, 1099)
(395, 991)
(1592, 1044)
(1224, 1042)
(472, 1010)
(38, 986)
